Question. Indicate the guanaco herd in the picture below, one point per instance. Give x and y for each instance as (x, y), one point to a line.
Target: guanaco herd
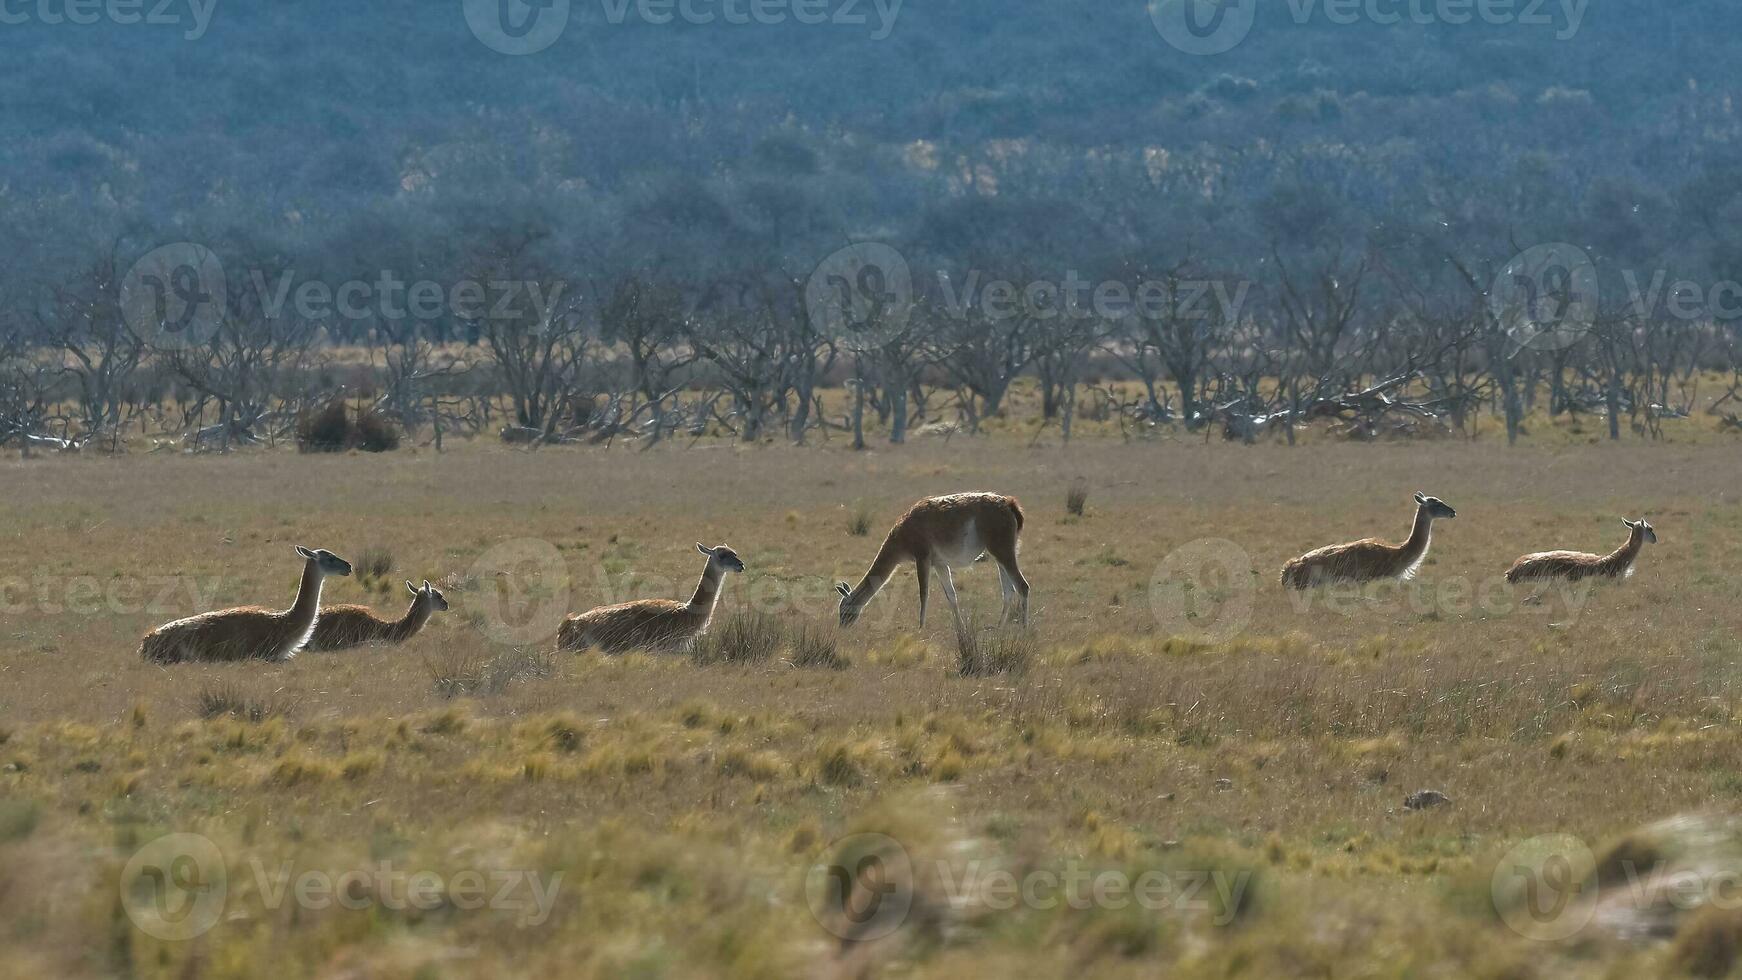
(937, 535)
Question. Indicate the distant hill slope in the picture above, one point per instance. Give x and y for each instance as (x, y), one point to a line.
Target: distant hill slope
(1009, 130)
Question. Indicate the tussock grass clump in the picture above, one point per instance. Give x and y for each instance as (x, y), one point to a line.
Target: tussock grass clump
(988, 654)
(563, 732)
(744, 638)
(226, 700)
(454, 674)
(1077, 498)
(838, 766)
(859, 522)
(466, 672)
(815, 646)
(448, 721)
(374, 562)
(359, 764)
(296, 769)
(759, 766)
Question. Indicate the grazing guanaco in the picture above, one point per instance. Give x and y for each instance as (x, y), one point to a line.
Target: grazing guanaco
(1370, 559)
(941, 532)
(653, 624)
(343, 627)
(1575, 565)
(248, 632)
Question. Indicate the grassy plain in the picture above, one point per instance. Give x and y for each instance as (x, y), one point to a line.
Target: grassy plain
(683, 803)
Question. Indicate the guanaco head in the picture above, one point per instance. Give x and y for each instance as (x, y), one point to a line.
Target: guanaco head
(722, 556)
(429, 594)
(326, 561)
(1642, 528)
(849, 611)
(1435, 507)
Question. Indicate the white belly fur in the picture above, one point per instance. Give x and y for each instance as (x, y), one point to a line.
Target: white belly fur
(964, 552)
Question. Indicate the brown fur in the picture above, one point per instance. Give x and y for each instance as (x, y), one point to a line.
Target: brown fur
(652, 624)
(1574, 566)
(1369, 559)
(938, 533)
(343, 627)
(247, 632)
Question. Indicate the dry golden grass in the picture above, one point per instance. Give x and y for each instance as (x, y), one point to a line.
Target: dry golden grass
(683, 802)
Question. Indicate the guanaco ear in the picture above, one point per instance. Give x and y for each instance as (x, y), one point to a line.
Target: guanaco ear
(428, 587)
(1628, 524)
(703, 549)
(410, 588)
(841, 587)
(304, 552)
(1420, 498)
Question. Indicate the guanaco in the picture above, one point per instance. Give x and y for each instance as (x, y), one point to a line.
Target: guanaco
(343, 627)
(1575, 565)
(941, 532)
(653, 624)
(248, 632)
(1370, 559)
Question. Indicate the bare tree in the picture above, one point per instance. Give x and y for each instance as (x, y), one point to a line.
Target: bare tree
(1177, 318)
(536, 336)
(102, 352)
(982, 354)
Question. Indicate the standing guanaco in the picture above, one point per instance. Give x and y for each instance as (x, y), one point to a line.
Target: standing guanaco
(939, 533)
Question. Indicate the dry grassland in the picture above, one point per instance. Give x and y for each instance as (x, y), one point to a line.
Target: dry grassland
(683, 802)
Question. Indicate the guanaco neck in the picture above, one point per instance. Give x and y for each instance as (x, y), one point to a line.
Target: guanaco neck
(415, 618)
(1419, 534)
(889, 557)
(308, 596)
(1622, 558)
(708, 589)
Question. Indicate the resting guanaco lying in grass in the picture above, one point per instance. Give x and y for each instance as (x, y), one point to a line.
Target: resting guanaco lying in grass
(1370, 559)
(653, 624)
(1572, 566)
(248, 632)
(343, 627)
(938, 533)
